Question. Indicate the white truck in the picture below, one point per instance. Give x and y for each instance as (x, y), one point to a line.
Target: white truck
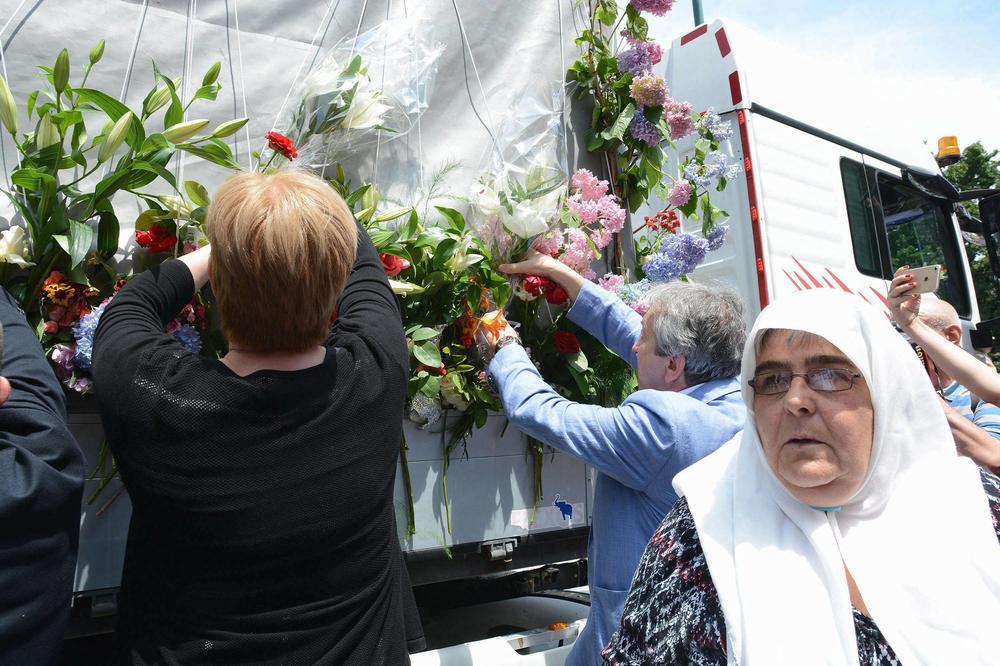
(809, 211)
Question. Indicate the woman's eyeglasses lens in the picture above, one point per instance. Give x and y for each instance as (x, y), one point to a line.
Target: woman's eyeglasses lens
(820, 379)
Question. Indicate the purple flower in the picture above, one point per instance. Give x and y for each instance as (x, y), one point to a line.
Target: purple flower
(716, 237)
(189, 338)
(696, 172)
(649, 90)
(643, 130)
(661, 268)
(654, 7)
(680, 193)
(687, 250)
(634, 61)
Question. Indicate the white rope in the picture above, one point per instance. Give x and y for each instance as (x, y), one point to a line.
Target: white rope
(319, 30)
(378, 134)
(354, 45)
(420, 136)
(3, 63)
(243, 87)
(563, 93)
(128, 68)
(467, 47)
(185, 75)
(131, 55)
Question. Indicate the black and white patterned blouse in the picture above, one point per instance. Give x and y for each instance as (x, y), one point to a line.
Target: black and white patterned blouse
(673, 615)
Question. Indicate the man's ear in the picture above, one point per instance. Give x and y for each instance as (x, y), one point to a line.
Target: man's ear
(673, 370)
(953, 334)
(4, 390)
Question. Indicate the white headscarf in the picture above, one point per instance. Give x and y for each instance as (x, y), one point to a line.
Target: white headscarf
(917, 536)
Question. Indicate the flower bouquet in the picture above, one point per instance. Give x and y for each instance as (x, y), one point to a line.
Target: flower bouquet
(60, 260)
(377, 82)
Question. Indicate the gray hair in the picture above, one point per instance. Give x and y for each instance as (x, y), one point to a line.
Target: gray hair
(702, 323)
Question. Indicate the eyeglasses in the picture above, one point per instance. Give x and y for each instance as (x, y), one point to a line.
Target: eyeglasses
(828, 380)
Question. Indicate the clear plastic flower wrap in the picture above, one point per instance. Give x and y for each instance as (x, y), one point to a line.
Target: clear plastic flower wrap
(370, 88)
(523, 180)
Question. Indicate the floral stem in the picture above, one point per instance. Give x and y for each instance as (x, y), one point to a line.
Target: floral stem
(411, 519)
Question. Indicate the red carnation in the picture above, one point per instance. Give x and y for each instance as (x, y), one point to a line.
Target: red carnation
(157, 239)
(555, 294)
(566, 343)
(392, 264)
(281, 144)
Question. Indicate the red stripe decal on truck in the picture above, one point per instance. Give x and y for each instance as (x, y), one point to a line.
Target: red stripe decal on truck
(758, 245)
(694, 34)
(792, 280)
(839, 282)
(806, 271)
(720, 37)
(734, 87)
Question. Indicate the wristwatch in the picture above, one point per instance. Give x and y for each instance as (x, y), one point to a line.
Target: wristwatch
(505, 341)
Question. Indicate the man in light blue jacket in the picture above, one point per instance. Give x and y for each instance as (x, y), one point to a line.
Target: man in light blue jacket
(686, 352)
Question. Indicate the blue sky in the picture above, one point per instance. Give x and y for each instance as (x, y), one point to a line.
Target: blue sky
(936, 64)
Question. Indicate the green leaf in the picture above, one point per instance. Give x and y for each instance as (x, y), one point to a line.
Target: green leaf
(355, 196)
(107, 234)
(63, 241)
(702, 146)
(211, 153)
(154, 168)
(431, 387)
(209, 92)
(153, 143)
(578, 361)
(593, 139)
(455, 219)
(617, 131)
(80, 237)
(115, 110)
(28, 178)
(107, 187)
(197, 193)
(32, 98)
(423, 333)
(428, 354)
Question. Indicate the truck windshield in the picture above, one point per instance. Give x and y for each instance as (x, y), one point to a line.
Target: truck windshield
(920, 232)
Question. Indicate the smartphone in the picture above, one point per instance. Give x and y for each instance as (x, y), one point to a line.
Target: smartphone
(927, 278)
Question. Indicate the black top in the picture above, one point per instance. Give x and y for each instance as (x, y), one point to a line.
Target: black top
(41, 480)
(262, 526)
(673, 614)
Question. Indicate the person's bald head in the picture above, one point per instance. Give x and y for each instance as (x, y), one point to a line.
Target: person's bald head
(942, 317)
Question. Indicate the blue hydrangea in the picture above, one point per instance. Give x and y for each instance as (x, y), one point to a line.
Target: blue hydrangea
(633, 292)
(716, 237)
(716, 165)
(686, 249)
(83, 331)
(661, 268)
(643, 130)
(696, 173)
(189, 338)
(719, 128)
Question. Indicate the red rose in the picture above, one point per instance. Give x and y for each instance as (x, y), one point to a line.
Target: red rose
(392, 264)
(51, 327)
(556, 295)
(282, 144)
(533, 284)
(565, 342)
(157, 239)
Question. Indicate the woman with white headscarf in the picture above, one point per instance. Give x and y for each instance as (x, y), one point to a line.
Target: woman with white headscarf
(841, 528)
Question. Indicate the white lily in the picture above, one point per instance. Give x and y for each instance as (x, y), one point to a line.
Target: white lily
(525, 222)
(366, 109)
(14, 247)
(486, 199)
(461, 259)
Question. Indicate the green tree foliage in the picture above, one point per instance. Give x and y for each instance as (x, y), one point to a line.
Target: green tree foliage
(979, 169)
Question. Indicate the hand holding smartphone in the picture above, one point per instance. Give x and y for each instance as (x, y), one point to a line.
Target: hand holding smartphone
(926, 278)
